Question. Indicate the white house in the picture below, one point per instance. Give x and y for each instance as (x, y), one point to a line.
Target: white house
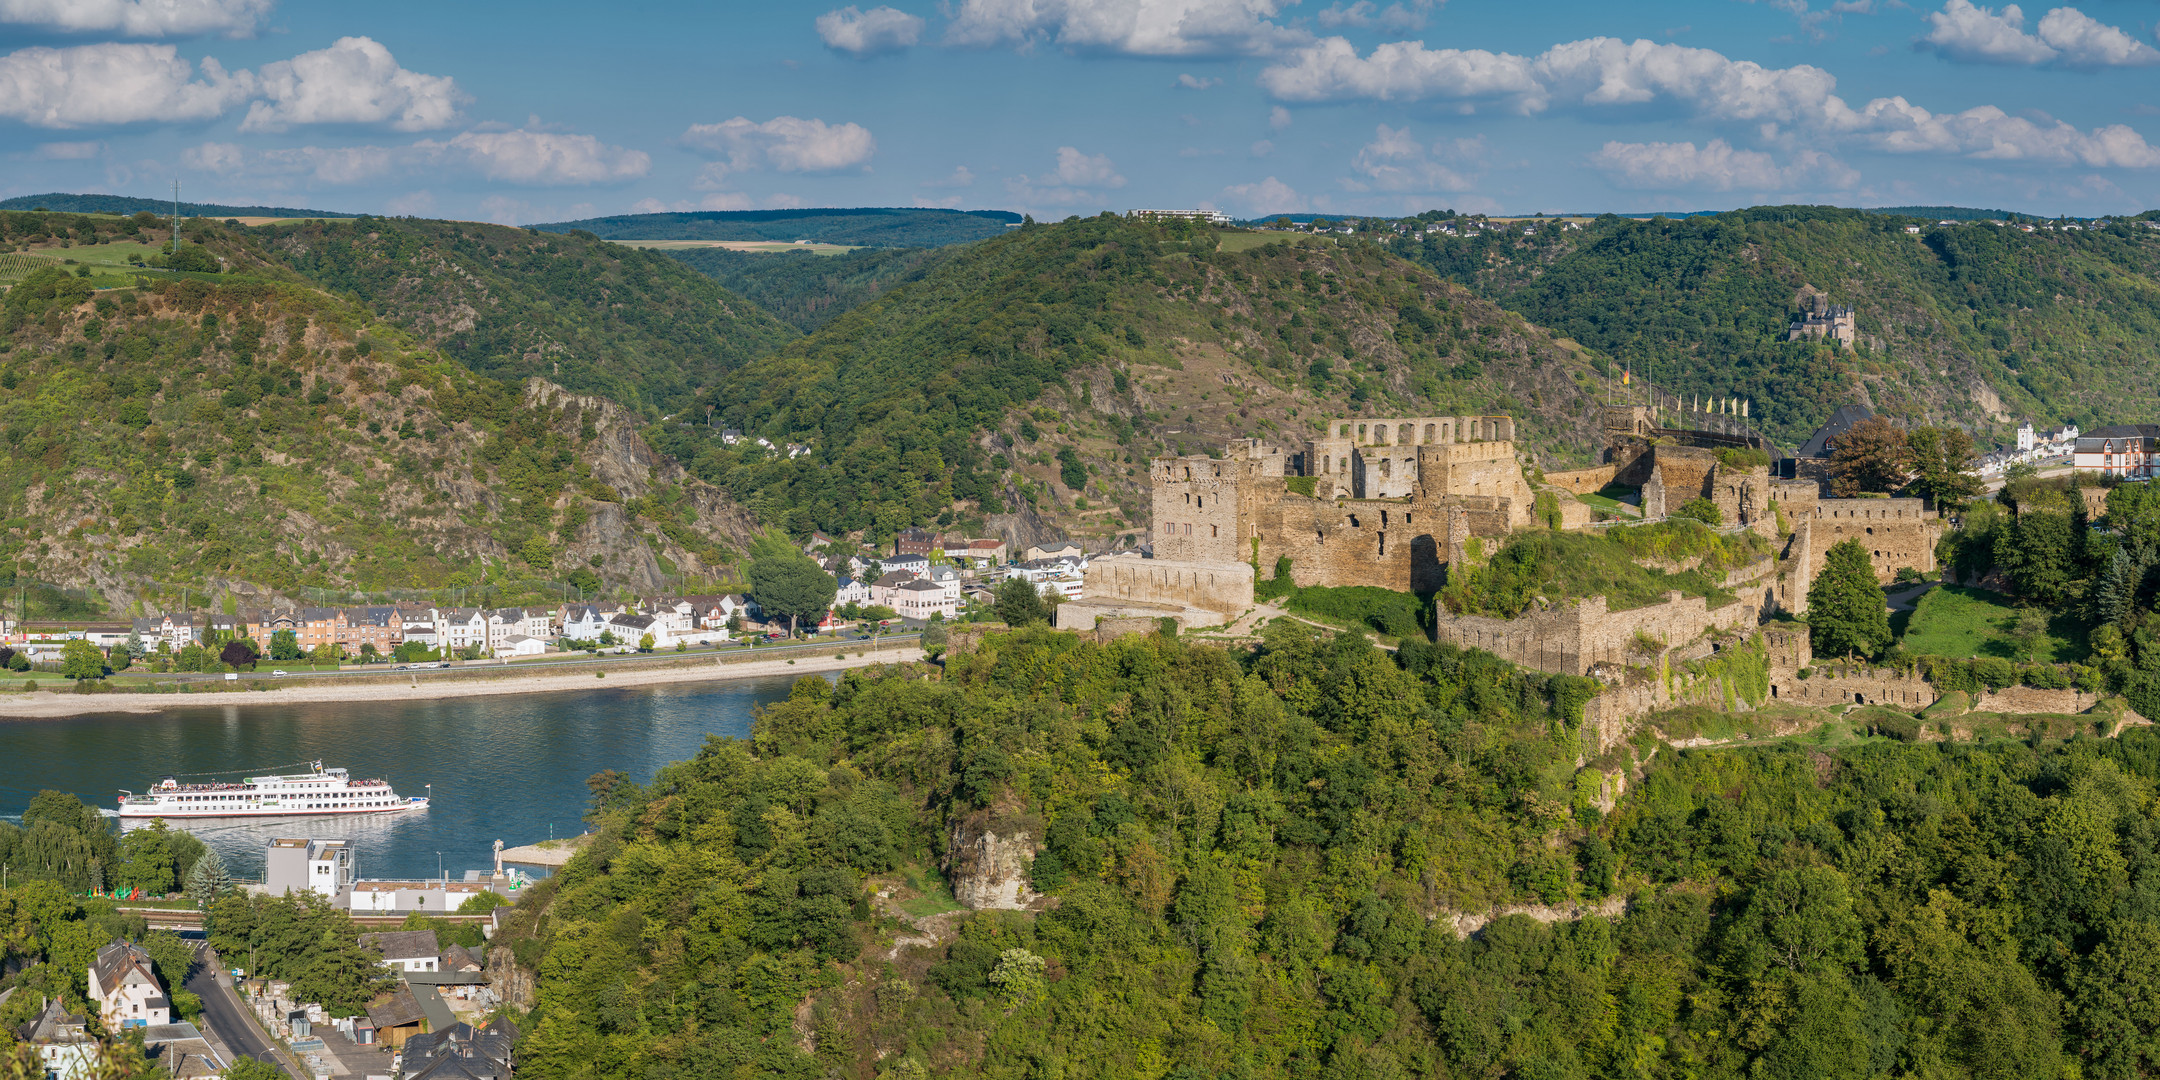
(921, 598)
(405, 950)
(125, 990)
(946, 578)
(583, 622)
(630, 628)
(460, 628)
(885, 591)
(308, 865)
(906, 564)
(677, 614)
(64, 1043)
(521, 645)
(852, 591)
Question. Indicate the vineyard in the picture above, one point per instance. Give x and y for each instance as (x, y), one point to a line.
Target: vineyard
(15, 264)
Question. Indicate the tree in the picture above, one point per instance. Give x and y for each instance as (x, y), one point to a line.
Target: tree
(207, 880)
(20, 661)
(934, 638)
(194, 257)
(1942, 459)
(1846, 612)
(1702, 510)
(81, 660)
(248, 1068)
(1019, 603)
(645, 643)
(788, 583)
(2039, 551)
(239, 654)
(2029, 632)
(1870, 456)
(284, 645)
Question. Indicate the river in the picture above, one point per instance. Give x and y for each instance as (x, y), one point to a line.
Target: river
(511, 767)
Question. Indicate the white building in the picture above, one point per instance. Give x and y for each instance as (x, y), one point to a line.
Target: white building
(318, 866)
(852, 591)
(405, 950)
(921, 598)
(521, 645)
(125, 990)
(2026, 439)
(2125, 450)
(584, 622)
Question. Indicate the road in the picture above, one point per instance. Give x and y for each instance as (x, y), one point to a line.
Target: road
(264, 667)
(228, 1015)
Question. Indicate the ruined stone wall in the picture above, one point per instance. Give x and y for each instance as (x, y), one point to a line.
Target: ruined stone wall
(1377, 458)
(2032, 699)
(1797, 498)
(2095, 502)
(1392, 545)
(1487, 470)
(1582, 481)
(1685, 471)
(1743, 497)
(1895, 532)
(1573, 639)
(1225, 588)
(1196, 508)
(1894, 687)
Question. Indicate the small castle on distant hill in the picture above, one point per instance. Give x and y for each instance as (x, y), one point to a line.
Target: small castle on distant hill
(1826, 320)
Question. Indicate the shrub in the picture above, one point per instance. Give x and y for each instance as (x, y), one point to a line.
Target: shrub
(1702, 510)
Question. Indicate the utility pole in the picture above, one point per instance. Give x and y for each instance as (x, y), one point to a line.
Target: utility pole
(175, 217)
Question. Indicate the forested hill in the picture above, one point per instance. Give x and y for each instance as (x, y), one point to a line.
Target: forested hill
(247, 432)
(633, 325)
(1973, 324)
(863, 227)
(1256, 863)
(1034, 374)
(59, 202)
(809, 290)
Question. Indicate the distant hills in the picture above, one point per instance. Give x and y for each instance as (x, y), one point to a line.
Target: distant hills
(125, 204)
(860, 227)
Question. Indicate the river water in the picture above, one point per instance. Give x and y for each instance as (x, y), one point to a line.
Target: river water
(511, 767)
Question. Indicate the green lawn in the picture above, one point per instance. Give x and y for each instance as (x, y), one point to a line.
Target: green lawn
(1963, 623)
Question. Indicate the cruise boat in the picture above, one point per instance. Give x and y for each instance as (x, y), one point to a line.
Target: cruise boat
(314, 793)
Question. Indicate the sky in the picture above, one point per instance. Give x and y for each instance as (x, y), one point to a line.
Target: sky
(547, 110)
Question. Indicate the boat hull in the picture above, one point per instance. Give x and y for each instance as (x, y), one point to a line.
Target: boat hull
(145, 813)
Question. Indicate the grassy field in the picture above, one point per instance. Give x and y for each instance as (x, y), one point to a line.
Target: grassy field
(766, 246)
(1963, 623)
(110, 265)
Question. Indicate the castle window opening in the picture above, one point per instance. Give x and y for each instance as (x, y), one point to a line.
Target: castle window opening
(1361, 432)
(1380, 435)
(1211, 531)
(1188, 472)
(1383, 543)
(1188, 497)
(1383, 519)
(1402, 434)
(1354, 523)
(1199, 503)
(1344, 433)
(1428, 432)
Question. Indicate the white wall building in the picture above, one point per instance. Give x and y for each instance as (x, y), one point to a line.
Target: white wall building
(125, 990)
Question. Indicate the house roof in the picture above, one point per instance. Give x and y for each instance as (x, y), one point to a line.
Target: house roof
(458, 958)
(634, 622)
(55, 1024)
(920, 585)
(894, 580)
(115, 962)
(403, 944)
(433, 1006)
(1845, 417)
(395, 1009)
(2122, 431)
(445, 978)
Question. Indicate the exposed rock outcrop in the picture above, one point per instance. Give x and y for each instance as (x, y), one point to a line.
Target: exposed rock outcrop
(511, 983)
(988, 868)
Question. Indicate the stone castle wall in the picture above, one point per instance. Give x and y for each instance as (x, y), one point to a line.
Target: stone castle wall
(1571, 640)
(1381, 458)
(1223, 588)
(1897, 533)
(1582, 481)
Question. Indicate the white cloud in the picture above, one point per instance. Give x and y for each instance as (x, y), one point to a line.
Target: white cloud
(1278, 118)
(782, 144)
(648, 205)
(1079, 180)
(114, 83)
(354, 81)
(70, 151)
(540, 157)
(1776, 103)
(1076, 169)
(2066, 37)
(412, 204)
(1262, 148)
(1364, 14)
(960, 178)
(140, 18)
(1195, 82)
(1394, 161)
(1269, 196)
(518, 156)
(869, 33)
(1130, 27)
(1716, 166)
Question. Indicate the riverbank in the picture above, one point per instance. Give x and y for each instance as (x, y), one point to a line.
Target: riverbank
(432, 686)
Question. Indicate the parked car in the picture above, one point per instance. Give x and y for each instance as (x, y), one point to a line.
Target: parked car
(278, 674)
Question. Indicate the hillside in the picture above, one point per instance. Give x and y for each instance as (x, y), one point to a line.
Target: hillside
(1316, 860)
(1974, 324)
(1025, 382)
(260, 437)
(124, 204)
(599, 318)
(861, 227)
(807, 291)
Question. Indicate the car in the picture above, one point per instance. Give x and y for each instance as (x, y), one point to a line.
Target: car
(232, 676)
(278, 674)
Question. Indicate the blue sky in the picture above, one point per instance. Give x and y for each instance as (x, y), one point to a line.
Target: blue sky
(546, 110)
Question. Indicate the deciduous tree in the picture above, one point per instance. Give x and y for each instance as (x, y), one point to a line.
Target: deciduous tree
(1847, 615)
(1871, 455)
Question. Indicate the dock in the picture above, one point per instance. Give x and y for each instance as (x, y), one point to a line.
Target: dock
(553, 854)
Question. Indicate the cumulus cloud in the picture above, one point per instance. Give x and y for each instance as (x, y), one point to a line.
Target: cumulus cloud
(517, 156)
(140, 18)
(1269, 196)
(1129, 27)
(70, 151)
(354, 81)
(2066, 37)
(1364, 14)
(1278, 118)
(1716, 166)
(114, 83)
(1603, 73)
(1076, 169)
(1079, 179)
(869, 33)
(781, 144)
(1394, 161)
(1195, 82)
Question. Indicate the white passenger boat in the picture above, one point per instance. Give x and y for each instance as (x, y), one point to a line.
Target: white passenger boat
(314, 793)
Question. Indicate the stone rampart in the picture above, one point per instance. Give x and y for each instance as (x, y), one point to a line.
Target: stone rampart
(1582, 481)
(1573, 639)
(1895, 687)
(1223, 588)
(2033, 699)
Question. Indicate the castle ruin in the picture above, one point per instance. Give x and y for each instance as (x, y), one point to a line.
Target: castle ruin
(1831, 322)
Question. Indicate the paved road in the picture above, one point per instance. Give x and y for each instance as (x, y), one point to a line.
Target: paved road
(227, 1015)
(264, 667)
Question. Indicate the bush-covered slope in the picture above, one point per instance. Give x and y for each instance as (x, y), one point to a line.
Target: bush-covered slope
(805, 290)
(1974, 324)
(635, 326)
(1258, 864)
(896, 227)
(267, 438)
(1040, 369)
